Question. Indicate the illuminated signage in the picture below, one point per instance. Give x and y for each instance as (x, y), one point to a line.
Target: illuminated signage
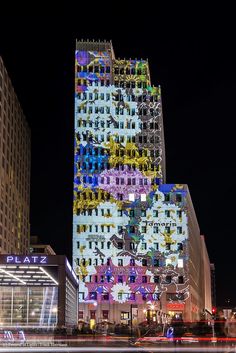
(12, 259)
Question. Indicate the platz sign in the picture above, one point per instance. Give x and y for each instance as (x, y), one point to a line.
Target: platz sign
(13, 259)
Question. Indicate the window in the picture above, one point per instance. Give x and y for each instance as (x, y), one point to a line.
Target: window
(181, 279)
(143, 229)
(131, 229)
(155, 229)
(144, 296)
(144, 279)
(105, 314)
(81, 315)
(131, 197)
(167, 197)
(143, 213)
(167, 213)
(81, 296)
(124, 315)
(180, 263)
(93, 295)
(168, 279)
(93, 314)
(168, 246)
(178, 197)
(179, 246)
(120, 213)
(156, 279)
(179, 230)
(131, 245)
(168, 262)
(144, 262)
(120, 296)
(156, 246)
(131, 213)
(78, 244)
(155, 213)
(156, 263)
(120, 279)
(132, 296)
(132, 279)
(105, 296)
(120, 262)
(144, 246)
(179, 214)
(143, 197)
(120, 245)
(167, 229)
(132, 262)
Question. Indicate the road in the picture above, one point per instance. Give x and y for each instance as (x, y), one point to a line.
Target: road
(119, 346)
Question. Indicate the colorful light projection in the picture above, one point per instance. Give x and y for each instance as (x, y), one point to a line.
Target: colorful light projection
(124, 249)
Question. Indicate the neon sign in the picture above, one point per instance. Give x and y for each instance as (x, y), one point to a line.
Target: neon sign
(12, 259)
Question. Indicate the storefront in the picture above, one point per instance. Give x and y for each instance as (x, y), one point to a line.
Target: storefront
(37, 291)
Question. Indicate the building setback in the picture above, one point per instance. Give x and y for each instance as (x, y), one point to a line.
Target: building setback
(14, 170)
(137, 248)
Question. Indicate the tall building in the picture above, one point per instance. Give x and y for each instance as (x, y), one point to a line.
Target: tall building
(14, 170)
(213, 284)
(37, 247)
(136, 241)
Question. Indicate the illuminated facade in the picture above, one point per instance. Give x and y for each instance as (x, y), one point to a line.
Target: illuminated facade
(14, 170)
(130, 229)
(37, 291)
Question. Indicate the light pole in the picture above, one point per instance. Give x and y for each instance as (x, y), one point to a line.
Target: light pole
(131, 320)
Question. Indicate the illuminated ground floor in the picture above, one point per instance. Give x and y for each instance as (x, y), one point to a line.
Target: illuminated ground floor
(161, 311)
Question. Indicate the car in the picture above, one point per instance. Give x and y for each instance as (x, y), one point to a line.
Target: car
(188, 337)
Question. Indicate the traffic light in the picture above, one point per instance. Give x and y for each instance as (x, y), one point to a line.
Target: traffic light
(213, 312)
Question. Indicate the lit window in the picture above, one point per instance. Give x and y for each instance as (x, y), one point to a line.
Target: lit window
(168, 262)
(143, 197)
(131, 197)
(180, 263)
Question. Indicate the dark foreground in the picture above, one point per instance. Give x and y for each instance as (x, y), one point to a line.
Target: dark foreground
(119, 345)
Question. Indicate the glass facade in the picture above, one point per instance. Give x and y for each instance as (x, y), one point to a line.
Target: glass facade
(28, 306)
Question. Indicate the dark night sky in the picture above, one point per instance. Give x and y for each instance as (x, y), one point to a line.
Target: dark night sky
(190, 51)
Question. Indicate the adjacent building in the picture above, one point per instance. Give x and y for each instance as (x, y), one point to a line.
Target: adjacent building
(14, 170)
(37, 247)
(37, 291)
(137, 248)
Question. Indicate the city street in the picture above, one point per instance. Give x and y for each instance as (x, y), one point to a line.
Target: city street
(107, 344)
(109, 349)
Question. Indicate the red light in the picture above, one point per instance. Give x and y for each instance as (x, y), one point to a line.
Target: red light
(213, 310)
